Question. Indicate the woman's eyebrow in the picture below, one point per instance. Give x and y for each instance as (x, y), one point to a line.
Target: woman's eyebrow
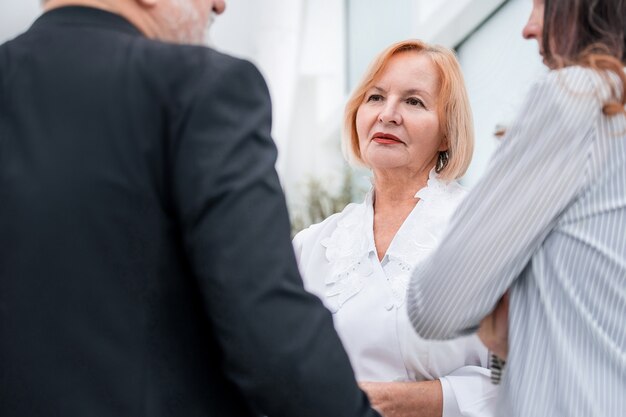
(410, 91)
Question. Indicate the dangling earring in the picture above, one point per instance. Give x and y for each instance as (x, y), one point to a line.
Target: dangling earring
(442, 161)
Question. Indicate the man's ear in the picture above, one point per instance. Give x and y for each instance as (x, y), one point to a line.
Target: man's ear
(147, 4)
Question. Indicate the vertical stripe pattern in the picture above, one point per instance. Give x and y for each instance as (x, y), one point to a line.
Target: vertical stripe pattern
(548, 220)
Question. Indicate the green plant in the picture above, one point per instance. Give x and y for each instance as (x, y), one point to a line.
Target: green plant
(320, 203)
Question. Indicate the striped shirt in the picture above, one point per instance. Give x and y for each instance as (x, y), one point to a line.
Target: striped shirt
(548, 220)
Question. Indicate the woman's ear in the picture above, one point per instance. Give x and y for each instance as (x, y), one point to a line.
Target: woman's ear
(444, 145)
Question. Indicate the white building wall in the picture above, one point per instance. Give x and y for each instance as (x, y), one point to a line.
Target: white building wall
(15, 16)
(499, 68)
(449, 22)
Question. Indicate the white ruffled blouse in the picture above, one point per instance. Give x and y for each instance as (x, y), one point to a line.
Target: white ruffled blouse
(339, 264)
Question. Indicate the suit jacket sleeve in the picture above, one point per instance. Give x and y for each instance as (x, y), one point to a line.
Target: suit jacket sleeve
(278, 342)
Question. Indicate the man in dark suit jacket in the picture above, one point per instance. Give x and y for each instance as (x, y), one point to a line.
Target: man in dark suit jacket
(146, 267)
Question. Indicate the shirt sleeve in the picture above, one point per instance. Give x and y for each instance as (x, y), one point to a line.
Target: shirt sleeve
(235, 233)
(468, 392)
(536, 173)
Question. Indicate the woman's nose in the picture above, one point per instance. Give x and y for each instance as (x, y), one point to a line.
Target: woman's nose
(532, 30)
(389, 114)
(534, 26)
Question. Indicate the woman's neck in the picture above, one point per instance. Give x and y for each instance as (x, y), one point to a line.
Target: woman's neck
(394, 199)
(393, 188)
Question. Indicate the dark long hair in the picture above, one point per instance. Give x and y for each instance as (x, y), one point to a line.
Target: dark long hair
(589, 33)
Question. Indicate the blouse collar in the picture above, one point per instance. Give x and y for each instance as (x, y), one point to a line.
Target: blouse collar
(352, 242)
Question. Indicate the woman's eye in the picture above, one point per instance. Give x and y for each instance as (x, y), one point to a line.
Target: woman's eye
(412, 101)
(374, 97)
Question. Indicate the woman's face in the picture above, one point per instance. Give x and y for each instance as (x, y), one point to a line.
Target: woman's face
(397, 123)
(534, 26)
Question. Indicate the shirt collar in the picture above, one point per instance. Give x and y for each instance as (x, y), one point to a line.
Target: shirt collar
(435, 187)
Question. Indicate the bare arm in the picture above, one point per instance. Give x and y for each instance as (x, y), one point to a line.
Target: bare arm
(467, 391)
(406, 399)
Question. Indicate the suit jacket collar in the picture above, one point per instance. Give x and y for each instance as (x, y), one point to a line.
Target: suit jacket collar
(86, 16)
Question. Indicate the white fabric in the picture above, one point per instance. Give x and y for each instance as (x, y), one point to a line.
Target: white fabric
(339, 264)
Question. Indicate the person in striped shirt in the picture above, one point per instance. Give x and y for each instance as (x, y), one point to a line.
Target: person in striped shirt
(547, 226)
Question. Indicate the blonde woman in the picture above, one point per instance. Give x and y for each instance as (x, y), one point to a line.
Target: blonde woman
(410, 122)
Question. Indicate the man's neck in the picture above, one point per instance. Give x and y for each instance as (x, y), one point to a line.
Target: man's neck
(97, 4)
(129, 10)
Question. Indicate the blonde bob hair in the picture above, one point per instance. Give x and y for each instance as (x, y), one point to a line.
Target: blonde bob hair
(453, 108)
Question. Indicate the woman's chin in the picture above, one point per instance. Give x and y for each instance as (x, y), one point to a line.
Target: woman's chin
(387, 165)
(386, 159)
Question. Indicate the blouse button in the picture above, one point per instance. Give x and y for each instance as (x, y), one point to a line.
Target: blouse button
(389, 305)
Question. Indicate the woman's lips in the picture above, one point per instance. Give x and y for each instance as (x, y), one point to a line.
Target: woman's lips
(386, 139)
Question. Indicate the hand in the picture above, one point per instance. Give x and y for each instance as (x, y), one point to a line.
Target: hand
(405, 399)
(380, 396)
(494, 329)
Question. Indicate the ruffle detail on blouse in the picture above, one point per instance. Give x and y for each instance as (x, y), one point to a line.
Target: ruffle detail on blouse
(439, 192)
(421, 232)
(347, 249)
(349, 246)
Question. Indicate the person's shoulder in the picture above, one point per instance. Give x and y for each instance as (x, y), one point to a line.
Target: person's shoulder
(440, 194)
(443, 199)
(197, 67)
(573, 73)
(325, 228)
(455, 190)
(578, 83)
(456, 193)
(208, 61)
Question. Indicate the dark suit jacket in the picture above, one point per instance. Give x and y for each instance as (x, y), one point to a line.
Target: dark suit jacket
(146, 267)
